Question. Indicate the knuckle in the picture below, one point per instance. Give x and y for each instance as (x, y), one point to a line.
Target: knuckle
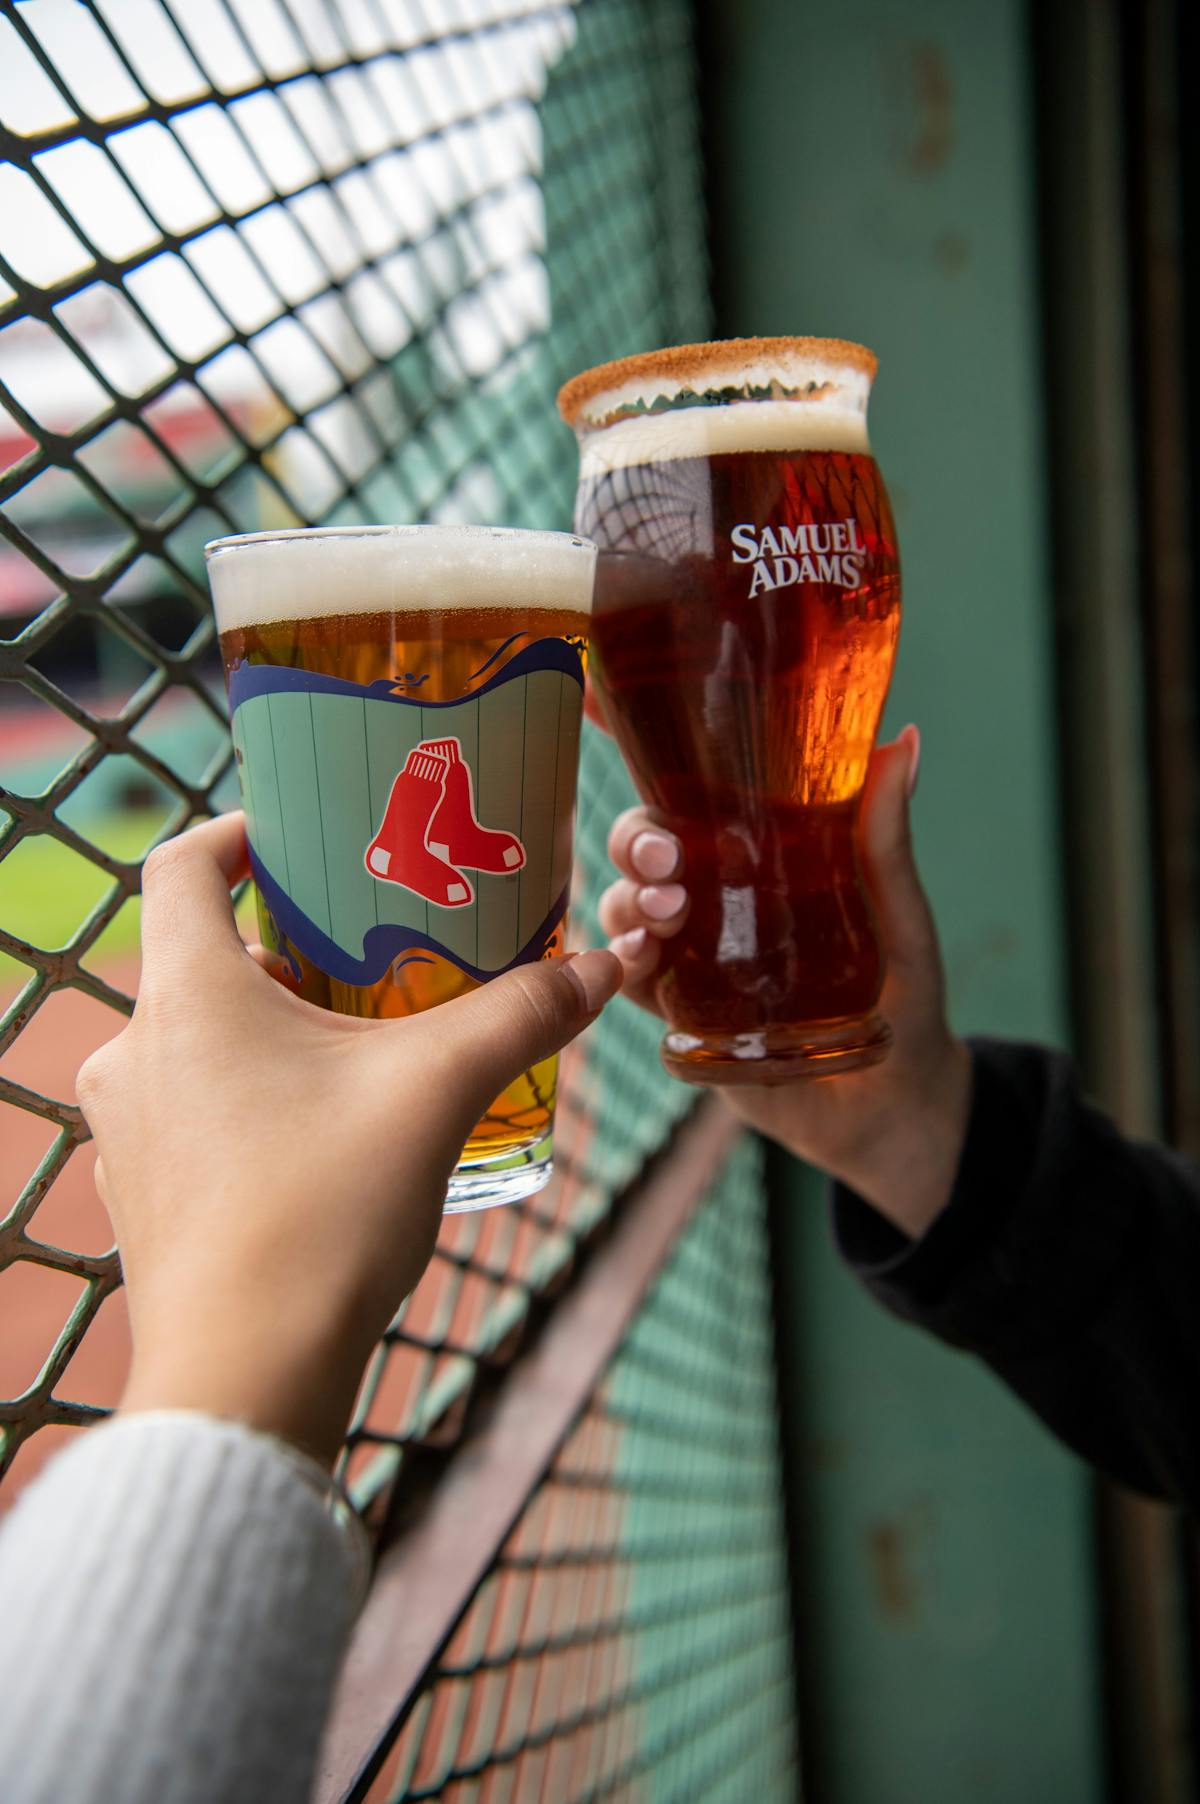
(624, 830)
(162, 860)
(609, 909)
(94, 1079)
(623, 896)
(537, 1005)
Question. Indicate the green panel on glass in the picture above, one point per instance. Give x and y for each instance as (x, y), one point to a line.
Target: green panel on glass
(260, 779)
(498, 795)
(946, 1582)
(546, 703)
(319, 770)
(345, 797)
(294, 751)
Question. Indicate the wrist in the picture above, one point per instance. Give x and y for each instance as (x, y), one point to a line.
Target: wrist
(907, 1166)
(296, 1384)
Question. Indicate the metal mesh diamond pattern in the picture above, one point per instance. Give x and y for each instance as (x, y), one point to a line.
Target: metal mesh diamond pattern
(269, 264)
(632, 1641)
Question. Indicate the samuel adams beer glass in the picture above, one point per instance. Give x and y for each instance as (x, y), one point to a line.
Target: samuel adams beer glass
(405, 704)
(743, 633)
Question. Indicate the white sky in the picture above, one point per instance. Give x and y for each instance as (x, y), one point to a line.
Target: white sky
(478, 94)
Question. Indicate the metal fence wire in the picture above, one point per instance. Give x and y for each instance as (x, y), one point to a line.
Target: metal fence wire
(279, 262)
(632, 1641)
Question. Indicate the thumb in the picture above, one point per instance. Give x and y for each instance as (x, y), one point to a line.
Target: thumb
(509, 1024)
(909, 934)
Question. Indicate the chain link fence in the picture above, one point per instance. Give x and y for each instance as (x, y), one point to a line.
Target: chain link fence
(632, 1642)
(279, 262)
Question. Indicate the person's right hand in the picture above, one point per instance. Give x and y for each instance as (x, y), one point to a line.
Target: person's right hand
(895, 1131)
(275, 1172)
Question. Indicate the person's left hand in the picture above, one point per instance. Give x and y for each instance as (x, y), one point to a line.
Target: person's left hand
(275, 1172)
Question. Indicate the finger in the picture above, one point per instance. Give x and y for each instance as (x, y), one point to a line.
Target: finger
(639, 953)
(187, 910)
(271, 962)
(661, 908)
(886, 839)
(618, 907)
(509, 1024)
(641, 846)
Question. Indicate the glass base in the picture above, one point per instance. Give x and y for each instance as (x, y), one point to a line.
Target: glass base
(777, 1055)
(486, 1183)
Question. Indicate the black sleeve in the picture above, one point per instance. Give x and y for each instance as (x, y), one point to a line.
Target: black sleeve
(1068, 1258)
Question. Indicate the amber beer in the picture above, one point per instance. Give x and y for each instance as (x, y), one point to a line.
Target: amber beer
(405, 706)
(744, 628)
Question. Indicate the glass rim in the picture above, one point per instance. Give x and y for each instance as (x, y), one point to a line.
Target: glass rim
(715, 373)
(524, 535)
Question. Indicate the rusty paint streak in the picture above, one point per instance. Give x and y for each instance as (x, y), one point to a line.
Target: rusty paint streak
(899, 1550)
(894, 1587)
(926, 93)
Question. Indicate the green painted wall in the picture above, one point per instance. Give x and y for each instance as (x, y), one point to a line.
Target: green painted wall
(874, 180)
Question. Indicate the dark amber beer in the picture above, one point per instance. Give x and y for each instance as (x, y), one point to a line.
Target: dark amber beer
(744, 627)
(406, 711)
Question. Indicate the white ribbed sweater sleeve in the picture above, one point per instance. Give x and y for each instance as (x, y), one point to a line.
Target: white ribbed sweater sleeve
(174, 1602)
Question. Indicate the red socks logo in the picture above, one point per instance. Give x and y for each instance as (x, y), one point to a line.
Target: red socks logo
(430, 835)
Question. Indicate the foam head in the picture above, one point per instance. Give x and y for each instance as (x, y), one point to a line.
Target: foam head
(311, 574)
(735, 394)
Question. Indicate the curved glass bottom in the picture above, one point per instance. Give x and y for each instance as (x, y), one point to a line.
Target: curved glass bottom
(777, 1055)
(486, 1183)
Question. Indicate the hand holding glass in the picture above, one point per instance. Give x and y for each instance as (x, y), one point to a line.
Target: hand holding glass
(743, 634)
(406, 711)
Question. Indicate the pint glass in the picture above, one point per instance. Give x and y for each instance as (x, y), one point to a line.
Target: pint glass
(405, 706)
(743, 632)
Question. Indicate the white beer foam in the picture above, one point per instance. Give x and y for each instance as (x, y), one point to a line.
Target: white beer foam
(309, 575)
(706, 431)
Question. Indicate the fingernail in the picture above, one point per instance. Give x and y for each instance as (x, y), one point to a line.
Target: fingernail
(629, 946)
(662, 900)
(913, 735)
(654, 855)
(595, 975)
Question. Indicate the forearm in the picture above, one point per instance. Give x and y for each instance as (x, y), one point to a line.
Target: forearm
(176, 1602)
